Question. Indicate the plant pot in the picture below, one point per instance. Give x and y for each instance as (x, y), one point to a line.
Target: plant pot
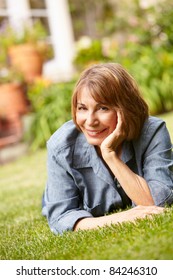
(27, 60)
(11, 130)
(13, 104)
(12, 100)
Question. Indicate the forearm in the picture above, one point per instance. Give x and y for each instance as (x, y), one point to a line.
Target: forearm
(95, 222)
(135, 186)
(130, 215)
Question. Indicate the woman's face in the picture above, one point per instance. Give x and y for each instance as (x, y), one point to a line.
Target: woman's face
(96, 120)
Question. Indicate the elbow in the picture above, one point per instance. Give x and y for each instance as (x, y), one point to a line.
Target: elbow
(162, 195)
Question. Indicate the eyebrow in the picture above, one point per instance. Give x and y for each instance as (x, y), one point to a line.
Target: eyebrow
(97, 104)
(78, 103)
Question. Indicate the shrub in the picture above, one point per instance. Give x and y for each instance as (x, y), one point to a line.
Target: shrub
(153, 70)
(51, 108)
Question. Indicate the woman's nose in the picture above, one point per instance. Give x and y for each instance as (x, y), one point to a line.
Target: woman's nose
(91, 119)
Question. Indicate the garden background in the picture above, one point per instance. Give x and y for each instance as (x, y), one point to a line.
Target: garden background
(140, 37)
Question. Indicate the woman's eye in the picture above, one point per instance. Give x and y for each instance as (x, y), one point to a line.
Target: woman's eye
(81, 108)
(104, 108)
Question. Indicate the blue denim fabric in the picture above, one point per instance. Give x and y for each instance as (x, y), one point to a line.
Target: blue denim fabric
(79, 185)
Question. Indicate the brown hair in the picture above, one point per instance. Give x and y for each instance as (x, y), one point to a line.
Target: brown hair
(112, 85)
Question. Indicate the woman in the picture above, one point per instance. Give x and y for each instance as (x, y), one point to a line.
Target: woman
(111, 156)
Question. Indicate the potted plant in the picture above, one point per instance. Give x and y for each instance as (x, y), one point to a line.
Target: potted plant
(26, 51)
(13, 104)
(12, 92)
(15, 73)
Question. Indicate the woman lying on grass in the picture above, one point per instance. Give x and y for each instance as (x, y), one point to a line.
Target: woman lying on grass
(111, 156)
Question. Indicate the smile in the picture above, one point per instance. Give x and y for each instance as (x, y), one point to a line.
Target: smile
(93, 133)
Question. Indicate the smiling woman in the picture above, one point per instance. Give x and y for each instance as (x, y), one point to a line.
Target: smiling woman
(95, 120)
(111, 156)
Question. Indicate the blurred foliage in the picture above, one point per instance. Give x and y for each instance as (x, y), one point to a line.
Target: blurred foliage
(92, 18)
(11, 75)
(51, 105)
(91, 53)
(142, 42)
(34, 34)
(164, 21)
(153, 71)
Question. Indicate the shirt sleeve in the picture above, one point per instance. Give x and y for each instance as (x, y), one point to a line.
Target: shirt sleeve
(62, 197)
(158, 165)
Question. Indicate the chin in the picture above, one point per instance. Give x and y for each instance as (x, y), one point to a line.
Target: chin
(94, 142)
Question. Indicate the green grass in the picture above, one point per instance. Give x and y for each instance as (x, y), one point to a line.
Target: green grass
(24, 233)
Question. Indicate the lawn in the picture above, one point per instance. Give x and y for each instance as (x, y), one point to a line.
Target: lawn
(24, 233)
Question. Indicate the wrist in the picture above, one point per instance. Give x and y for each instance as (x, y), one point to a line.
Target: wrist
(108, 155)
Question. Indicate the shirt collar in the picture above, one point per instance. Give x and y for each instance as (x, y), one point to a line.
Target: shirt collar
(81, 156)
(85, 155)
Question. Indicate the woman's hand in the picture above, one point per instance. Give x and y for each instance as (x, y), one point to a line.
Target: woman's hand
(113, 142)
(140, 212)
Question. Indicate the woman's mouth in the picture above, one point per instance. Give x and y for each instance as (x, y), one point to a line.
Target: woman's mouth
(95, 133)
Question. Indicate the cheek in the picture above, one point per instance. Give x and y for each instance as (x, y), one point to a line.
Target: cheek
(113, 122)
(79, 119)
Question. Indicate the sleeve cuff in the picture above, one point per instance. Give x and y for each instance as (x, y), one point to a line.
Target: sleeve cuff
(68, 221)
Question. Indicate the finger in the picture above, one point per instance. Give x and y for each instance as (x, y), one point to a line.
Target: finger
(119, 118)
(118, 123)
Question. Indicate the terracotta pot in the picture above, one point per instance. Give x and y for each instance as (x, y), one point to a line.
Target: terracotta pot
(26, 59)
(11, 130)
(13, 104)
(12, 100)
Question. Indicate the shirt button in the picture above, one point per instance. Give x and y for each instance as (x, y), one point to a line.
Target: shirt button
(118, 185)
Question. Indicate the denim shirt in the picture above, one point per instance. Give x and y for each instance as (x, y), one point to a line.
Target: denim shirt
(79, 185)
